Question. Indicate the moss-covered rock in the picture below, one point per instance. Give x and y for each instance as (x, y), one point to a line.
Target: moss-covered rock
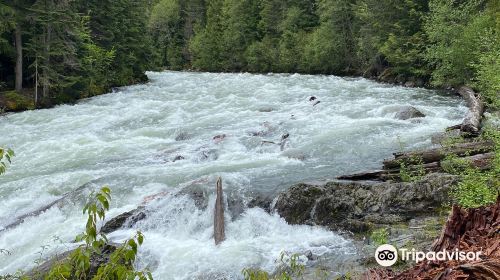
(356, 206)
(12, 101)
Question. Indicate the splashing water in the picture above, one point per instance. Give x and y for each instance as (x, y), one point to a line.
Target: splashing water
(159, 138)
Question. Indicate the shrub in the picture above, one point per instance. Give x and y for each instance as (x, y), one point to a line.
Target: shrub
(17, 102)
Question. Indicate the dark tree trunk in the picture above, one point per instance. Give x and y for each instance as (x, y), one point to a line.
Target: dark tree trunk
(19, 58)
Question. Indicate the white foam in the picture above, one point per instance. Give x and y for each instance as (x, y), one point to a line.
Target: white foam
(126, 139)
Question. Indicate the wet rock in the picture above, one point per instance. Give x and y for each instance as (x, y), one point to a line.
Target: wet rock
(409, 84)
(409, 112)
(178, 157)
(261, 201)
(266, 109)
(183, 136)
(218, 138)
(208, 154)
(127, 219)
(310, 256)
(356, 206)
(96, 260)
(199, 193)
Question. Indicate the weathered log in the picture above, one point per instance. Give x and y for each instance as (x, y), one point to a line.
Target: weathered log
(219, 231)
(437, 154)
(19, 220)
(472, 120)
(481, 161)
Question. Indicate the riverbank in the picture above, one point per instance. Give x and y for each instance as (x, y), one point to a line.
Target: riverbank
(409, 215)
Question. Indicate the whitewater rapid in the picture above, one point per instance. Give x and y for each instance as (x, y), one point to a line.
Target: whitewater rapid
(130, 139)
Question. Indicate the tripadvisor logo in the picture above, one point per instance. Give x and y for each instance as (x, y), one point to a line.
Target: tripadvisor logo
(387, 255)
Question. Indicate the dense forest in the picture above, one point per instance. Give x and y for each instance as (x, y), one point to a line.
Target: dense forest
(61, 50)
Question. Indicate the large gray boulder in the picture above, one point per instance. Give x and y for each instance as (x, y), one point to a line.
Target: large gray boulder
(356, 206)
(408, 112)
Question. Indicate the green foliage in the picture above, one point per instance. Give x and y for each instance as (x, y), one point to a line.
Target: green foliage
(411, 170)
(457, 31)
(487, 67)
(74, 49)
(479, 188)
(16, 102)
(476, 189)
(164, 25)
(455, 165)
(5, 158)
(120, 263)
(379, 236)
(288, 269)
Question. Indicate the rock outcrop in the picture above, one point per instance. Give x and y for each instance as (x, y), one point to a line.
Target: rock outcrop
(408, 112)
(355, 206)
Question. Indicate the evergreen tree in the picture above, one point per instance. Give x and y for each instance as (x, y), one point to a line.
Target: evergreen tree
(205, 45)
(331, 47)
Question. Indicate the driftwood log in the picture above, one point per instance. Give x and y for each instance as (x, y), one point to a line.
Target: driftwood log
(472, 121)
(219, 231)
(480, 161)
(437, 154)
(19, 220)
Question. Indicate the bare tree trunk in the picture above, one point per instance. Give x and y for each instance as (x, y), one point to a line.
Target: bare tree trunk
(219, 231)
(36, 83)
(45, 74)
(19, 58)
(472, 120)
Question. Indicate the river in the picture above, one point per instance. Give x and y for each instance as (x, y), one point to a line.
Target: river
(129, 140)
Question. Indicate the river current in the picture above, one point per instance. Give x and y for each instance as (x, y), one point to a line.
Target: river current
(185, 129)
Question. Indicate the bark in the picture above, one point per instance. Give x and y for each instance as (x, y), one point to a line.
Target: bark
(219, 231)
(472, 121)
(437, 154)
(19, 58)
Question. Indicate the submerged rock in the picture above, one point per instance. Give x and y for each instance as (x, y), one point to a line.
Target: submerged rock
(356, 206)
(408, 112)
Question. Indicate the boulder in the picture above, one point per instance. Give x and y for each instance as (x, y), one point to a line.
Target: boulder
(129, 219)
(408, 112)
(356, 206)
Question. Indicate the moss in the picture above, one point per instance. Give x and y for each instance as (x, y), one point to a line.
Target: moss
(14, 101)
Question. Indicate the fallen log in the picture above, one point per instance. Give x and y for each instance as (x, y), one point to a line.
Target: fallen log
(437, 154)
(480, 161)
(472, 121)
(19, 220)
(219, 231)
